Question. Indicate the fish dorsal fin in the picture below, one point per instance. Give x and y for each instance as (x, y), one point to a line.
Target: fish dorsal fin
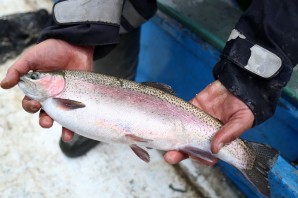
(141, 153)
(68, 104)
(161, 86)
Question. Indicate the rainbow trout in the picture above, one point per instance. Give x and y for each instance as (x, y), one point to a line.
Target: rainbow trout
(141, 115)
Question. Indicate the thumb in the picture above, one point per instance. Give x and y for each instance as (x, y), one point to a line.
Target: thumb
(19, 68)
(229, 132)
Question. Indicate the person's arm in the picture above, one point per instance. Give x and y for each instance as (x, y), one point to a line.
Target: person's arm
(259, 57)
(255, 65)
(98, 22)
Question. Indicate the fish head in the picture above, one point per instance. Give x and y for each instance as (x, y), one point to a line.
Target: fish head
(42, 85)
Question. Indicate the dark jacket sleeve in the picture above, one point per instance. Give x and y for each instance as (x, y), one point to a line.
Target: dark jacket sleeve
(271, 24)
(101, 35)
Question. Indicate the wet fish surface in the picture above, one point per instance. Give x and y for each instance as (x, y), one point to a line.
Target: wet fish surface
(142, 115)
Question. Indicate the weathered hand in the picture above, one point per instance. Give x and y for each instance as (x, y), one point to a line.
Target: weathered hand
(49, 55)
(216, 100)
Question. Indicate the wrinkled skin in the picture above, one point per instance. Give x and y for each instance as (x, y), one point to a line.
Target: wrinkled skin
(52, 55)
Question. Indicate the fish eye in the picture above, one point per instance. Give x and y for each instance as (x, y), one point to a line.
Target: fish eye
(34, 76)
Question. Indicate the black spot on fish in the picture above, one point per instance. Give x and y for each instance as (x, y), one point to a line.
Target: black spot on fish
(120, 82)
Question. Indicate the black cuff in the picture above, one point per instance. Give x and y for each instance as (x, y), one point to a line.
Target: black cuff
(85, 34)
(259, 94)
(103, 36)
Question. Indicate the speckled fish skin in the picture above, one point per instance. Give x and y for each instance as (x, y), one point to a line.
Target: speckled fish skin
(119, 111)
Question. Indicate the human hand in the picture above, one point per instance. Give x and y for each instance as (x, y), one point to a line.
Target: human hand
(49, 55)
(217, 101)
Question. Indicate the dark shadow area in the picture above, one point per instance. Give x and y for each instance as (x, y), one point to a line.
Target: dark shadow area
(18, 31)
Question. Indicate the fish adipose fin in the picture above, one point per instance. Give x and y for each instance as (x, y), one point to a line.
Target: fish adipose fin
(266, 157)
(160, 86)
(68, 104)
(198, 153)
(141, 153)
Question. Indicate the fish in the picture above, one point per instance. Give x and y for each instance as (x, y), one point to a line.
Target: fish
(141, 115)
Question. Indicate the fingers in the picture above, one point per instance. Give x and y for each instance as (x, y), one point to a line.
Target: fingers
(67, 135)
(29, 105)
(45, 121)
(231, 131)
(174, 157)
(18, 69)
(33, 106)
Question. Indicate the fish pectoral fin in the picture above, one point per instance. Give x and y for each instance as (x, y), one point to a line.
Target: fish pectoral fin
(141, 153)
(135, 138)
(68, 104)
(198, 153)
(160, 86)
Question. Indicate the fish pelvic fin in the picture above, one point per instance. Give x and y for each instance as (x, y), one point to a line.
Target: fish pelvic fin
(67, 104)
(266, 157)
(141, 153)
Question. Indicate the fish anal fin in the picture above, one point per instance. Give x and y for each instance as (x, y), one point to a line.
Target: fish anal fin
(135, 138)
(141, 153)
(161, 86)
(67, 104)
(198, 153)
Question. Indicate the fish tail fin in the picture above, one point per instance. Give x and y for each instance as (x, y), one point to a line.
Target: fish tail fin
(266, 157)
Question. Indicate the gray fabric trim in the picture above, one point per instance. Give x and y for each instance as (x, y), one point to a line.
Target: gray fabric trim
(263, 62)
(132, 15)
(258, 60)
(82, 11)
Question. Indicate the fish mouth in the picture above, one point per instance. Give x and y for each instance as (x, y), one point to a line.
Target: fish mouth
(21, 84)
(24, 83)
(22, 79)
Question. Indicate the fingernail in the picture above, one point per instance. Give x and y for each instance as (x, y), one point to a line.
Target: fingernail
(171, 159)
(1, 83)
(66, 137)
(46, 123)
(34, 108)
